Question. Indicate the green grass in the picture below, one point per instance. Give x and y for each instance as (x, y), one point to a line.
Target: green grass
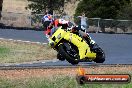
(4, 52)
(18, 52)
(55, 82)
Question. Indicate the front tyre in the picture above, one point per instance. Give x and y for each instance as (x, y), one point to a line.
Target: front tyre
(69, 53)
(60, 57)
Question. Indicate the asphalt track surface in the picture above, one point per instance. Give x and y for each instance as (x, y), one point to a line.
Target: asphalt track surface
(117, 47)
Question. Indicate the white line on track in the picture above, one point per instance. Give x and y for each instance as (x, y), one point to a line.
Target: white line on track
(53, 61)
(56, 60)
(22, 41)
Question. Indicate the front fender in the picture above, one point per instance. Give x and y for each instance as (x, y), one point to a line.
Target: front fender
(51, 43)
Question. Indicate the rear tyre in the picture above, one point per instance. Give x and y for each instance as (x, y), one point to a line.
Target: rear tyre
(100, 58)
(63, 49)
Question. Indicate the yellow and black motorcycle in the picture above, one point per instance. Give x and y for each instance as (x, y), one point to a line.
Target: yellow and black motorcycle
(74, 48)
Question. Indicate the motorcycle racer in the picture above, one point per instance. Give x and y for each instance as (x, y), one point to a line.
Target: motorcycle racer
(79, 31)
(72, 45)
(55, 24)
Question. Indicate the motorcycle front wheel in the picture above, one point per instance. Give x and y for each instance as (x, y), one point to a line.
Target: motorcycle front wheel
(69, 52)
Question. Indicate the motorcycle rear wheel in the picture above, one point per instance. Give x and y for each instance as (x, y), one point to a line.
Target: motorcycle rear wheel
(100, 57)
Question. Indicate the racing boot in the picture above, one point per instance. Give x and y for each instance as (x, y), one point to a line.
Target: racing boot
(89, 41)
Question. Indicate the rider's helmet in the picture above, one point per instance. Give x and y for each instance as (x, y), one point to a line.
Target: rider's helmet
(55, 24)
(63, 23)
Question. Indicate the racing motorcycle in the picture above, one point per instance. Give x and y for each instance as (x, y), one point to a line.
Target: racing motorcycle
(74, 48)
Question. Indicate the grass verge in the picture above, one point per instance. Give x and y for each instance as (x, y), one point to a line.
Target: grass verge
(55, 82)
(18, 52)
(58, 78)
(4, 51)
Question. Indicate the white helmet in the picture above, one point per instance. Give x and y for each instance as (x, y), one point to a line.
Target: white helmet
(62, 21)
